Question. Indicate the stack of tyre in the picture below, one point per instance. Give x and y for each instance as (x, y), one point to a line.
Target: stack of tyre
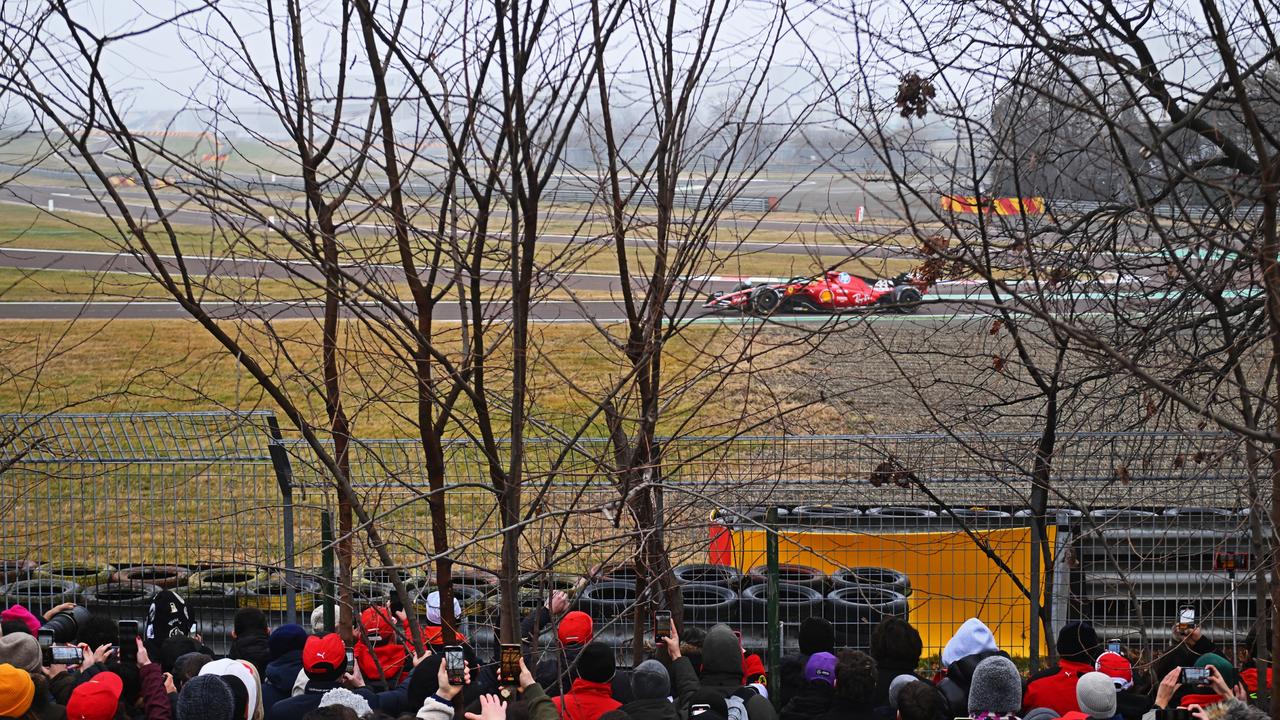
(855, 600)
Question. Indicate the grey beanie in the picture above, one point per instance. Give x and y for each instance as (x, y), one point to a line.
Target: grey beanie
(206, 697)
(346, 698)
(21, 651)
(996, 687)
(650, 681)
(1096, 695)
(896, 686)
(1042, 713)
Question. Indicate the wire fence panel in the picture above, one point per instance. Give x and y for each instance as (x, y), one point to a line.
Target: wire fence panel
(1144, 523)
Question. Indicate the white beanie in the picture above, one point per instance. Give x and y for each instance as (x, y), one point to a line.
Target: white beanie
(433, 608)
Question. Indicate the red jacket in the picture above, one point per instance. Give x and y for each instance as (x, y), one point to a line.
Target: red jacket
(1057, 691)
(1249, 676)
(390, 664)
(586, 700)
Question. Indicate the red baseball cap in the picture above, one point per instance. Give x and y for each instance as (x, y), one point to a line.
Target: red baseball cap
(1116, 667)
(575, 628)
(96, 699)
(376, 622)
(323, 655)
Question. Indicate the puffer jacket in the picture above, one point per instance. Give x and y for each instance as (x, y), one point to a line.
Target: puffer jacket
(722, 671)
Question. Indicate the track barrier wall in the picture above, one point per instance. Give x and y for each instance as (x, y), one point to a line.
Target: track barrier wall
(230, 506)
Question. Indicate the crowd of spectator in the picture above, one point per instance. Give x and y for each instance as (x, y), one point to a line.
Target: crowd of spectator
(567, 673)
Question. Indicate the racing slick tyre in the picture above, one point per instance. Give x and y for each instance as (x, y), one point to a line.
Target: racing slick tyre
(1121, 514)
(795, 603)
(902, 512)
(607, 600)
(886, 578)
(855, 611)
(906, 299)
(801, 575)
(765, 300)
(15, 570)
(970, 514)
(164, 577)
(706, 604)
(1197, 513)
(708, 574)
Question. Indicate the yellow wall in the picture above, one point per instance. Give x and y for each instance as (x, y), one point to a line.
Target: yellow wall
(951, 578)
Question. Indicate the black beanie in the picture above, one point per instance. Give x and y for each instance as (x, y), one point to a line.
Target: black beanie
(595, 663)
(817, 635)
(1078, 642)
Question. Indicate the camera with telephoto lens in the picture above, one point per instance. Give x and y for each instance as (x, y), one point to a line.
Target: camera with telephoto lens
(66, 624)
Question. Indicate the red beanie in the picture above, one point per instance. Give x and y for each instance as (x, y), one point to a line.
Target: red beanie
(575, 628)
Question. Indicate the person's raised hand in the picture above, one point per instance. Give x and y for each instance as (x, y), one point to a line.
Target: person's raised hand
(672, 641)
(86, 652)
(526, 677)
(102, 653)
(558, 603)
(351, 680)
(1197, 712)
(1168, 686)
(419, 659)
(169, 686)
(447, 690)
(144, 658)
(1218, 683)
(491, 708)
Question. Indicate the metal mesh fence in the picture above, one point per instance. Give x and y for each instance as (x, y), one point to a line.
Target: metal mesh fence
(944, 515)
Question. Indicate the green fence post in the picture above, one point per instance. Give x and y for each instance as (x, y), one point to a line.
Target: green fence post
(773, 630)
(326, 570)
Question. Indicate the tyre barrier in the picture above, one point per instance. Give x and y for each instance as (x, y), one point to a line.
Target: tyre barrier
(625, 572)
(126, 599)
(40, 594)
(210, 598)
(606, 600)
(709, 574)
(232, 578)
(825, 514)
(902, 512)
(165, 577)
(82, 574)
(791, 575)
(535, 590)
(707, 604)
(482, 580)
(795, 603)
(854, 611)
(887, 578)
(273, 595)
(1051, 513)
(15, 570)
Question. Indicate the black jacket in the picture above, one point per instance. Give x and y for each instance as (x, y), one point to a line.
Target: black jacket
(846, 709)
(659, 709)
(254, 649)
(813, 700)
(955, 686)
(1131, 705)
(791, 680)
(722, 671)
(887, 673)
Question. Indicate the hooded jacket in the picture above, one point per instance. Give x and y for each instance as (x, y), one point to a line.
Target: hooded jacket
(843, 708)
(722, 670)
(295, 708)
(812, 700)
(1055, 688)
(552, 670)
(971, 644)
(280, 677)
(586, 700)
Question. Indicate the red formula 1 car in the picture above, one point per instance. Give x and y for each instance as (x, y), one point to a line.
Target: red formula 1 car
(834, 292)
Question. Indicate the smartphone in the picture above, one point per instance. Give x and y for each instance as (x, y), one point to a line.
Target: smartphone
(661, 626)
(128, 641)
(1195, 676)
(509, 665)
(63, 655)
(45, 638)
(1186, 617)
(1113, 645)
(455, 664)
(351, 660)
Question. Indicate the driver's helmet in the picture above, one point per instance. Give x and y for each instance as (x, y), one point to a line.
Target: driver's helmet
(883, 284)
(844, 278)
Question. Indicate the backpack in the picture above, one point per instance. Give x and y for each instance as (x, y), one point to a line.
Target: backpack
(737, 702)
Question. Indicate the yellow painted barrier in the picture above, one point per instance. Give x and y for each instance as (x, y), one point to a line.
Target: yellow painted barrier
(952, 579)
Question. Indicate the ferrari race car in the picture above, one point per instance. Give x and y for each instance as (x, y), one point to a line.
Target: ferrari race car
(834, 292)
